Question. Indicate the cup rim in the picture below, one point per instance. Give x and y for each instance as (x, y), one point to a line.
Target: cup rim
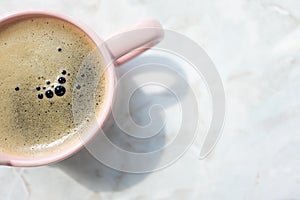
(106, 108)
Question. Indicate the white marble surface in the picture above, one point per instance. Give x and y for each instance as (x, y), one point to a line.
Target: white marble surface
(255, 45)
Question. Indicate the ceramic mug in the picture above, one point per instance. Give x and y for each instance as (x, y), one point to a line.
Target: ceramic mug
(120, 49)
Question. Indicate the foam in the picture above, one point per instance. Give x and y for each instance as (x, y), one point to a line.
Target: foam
(33, 51)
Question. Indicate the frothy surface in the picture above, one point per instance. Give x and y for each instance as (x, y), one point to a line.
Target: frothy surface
(39, 61)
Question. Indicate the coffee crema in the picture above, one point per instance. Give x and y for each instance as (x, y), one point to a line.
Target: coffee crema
(40, 58)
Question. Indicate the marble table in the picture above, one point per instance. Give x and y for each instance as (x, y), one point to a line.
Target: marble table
(255, 45)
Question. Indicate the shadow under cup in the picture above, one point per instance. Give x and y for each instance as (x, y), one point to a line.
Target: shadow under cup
(87, 118)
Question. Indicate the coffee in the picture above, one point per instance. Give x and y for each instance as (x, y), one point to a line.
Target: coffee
(40, 59)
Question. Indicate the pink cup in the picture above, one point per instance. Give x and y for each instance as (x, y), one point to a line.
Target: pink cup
(119, 49)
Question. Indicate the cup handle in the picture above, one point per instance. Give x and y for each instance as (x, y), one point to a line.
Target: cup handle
(135, 39)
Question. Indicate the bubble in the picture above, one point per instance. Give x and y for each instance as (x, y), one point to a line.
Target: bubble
(48, 82)
(60, 90)
(49, 94)
(40, 96)
(44, 88)
(63, 72)
(59, 49)
(17, 88)
(38, 88)
(61, 80)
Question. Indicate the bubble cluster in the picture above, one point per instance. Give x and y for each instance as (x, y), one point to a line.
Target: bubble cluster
(57, 90)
